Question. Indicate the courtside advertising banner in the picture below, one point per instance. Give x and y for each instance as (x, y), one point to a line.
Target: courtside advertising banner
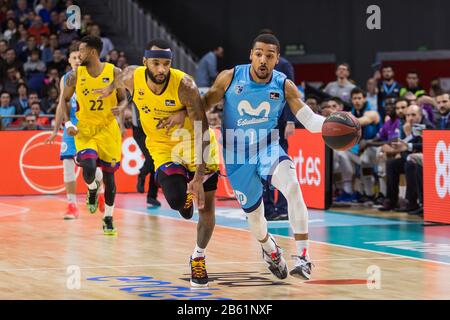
(312, 159)
(436, 175)
(30, 166)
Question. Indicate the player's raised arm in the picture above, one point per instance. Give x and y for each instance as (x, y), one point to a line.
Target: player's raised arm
(216, 93)
(190, 97)
(67, 92)
(122, 80)
(310, 120)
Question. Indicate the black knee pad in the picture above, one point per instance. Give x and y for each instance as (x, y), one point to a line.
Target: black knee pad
(89, 166)
(174, 188)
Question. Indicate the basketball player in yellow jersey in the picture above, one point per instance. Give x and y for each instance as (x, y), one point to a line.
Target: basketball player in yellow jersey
(160, 92)
(97, 134)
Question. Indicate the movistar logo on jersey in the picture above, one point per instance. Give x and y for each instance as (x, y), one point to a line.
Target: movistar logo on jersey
(259, 114)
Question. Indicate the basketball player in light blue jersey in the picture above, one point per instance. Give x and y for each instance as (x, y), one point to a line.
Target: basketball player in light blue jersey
(254, 96)
(68, 150)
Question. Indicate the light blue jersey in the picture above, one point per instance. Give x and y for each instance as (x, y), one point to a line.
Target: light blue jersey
(68, 149)
(250, 137)
(252, 107)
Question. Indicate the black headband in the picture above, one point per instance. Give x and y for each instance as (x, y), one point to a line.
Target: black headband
(158, 54)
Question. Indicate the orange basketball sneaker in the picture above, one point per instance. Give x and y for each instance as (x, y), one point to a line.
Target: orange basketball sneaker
(72, 212)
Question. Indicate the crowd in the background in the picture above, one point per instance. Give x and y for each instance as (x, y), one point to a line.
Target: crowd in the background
(392, 113)
(34, 42)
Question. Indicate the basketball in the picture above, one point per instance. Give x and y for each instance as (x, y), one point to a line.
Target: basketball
(341, 131)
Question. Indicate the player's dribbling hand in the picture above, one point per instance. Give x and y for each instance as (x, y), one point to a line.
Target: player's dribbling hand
(195, 187)
(52, 138)
(72, 131)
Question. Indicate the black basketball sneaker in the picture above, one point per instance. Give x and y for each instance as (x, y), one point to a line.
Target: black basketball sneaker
(199, 276)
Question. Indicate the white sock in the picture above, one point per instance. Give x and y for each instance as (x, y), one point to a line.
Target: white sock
(92, 186)
(198, 252)
(99, 179)
(302, 248)
(72, 198)
(108, 211)
(269, 246)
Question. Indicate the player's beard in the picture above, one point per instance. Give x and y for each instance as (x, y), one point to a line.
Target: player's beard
(154, 79)
(260, 76)
(85, 63)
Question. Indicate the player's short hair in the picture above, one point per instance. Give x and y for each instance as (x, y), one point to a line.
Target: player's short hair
(74, 47)
(268, 39)
(160, 43)
(357, 90)
(93, 42)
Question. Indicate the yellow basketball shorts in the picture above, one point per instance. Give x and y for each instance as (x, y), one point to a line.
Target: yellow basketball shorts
(103, 143)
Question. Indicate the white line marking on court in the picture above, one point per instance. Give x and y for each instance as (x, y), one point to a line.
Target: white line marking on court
(184, 264)
(18, 210)
(287, 237)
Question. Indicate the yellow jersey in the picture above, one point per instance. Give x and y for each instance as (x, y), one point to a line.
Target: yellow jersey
(93, 112)
(178, 144)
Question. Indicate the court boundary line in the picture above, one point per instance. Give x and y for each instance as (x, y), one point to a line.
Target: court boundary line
(288, 237)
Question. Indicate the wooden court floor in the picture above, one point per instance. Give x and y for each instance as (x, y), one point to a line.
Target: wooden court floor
(44, 257)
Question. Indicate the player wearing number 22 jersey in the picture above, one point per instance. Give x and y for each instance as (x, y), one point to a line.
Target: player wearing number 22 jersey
(97, 134)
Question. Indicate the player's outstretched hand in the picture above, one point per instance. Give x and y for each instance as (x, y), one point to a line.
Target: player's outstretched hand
(105, 92)
(174, 120)
(52, 138)
(72, 131)
(195, 187)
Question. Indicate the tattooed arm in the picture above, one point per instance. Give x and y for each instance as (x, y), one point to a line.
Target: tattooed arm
(122, 101)
(190, 98)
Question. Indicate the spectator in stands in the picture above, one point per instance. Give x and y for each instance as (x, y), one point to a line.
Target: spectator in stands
(435, 88)
(46, 51)
(35, 109)
(394, 167)
(107, 44)
(33, 97)
(30, 47)
(113, 57)
(86, 24)
(58, 62)
(21, 102)
(443, 119)
(207, 67)
(342, 86)
(21, 40)
(389, 132)
(12, 80)
(22, 9)
(387, 87)
(53, 42)
(54, 25)
(34, 63)
(3, 48)
(313, 102)
(50, 103)
(31, 123)
(10, 61)
(52, 78)
(38, 28)
(214, 118)
(6, 109)
(370, 122)
(372, 93)
(412, 85)
(331, 105)
(66, 36)
(11, 30)
(122, 62)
